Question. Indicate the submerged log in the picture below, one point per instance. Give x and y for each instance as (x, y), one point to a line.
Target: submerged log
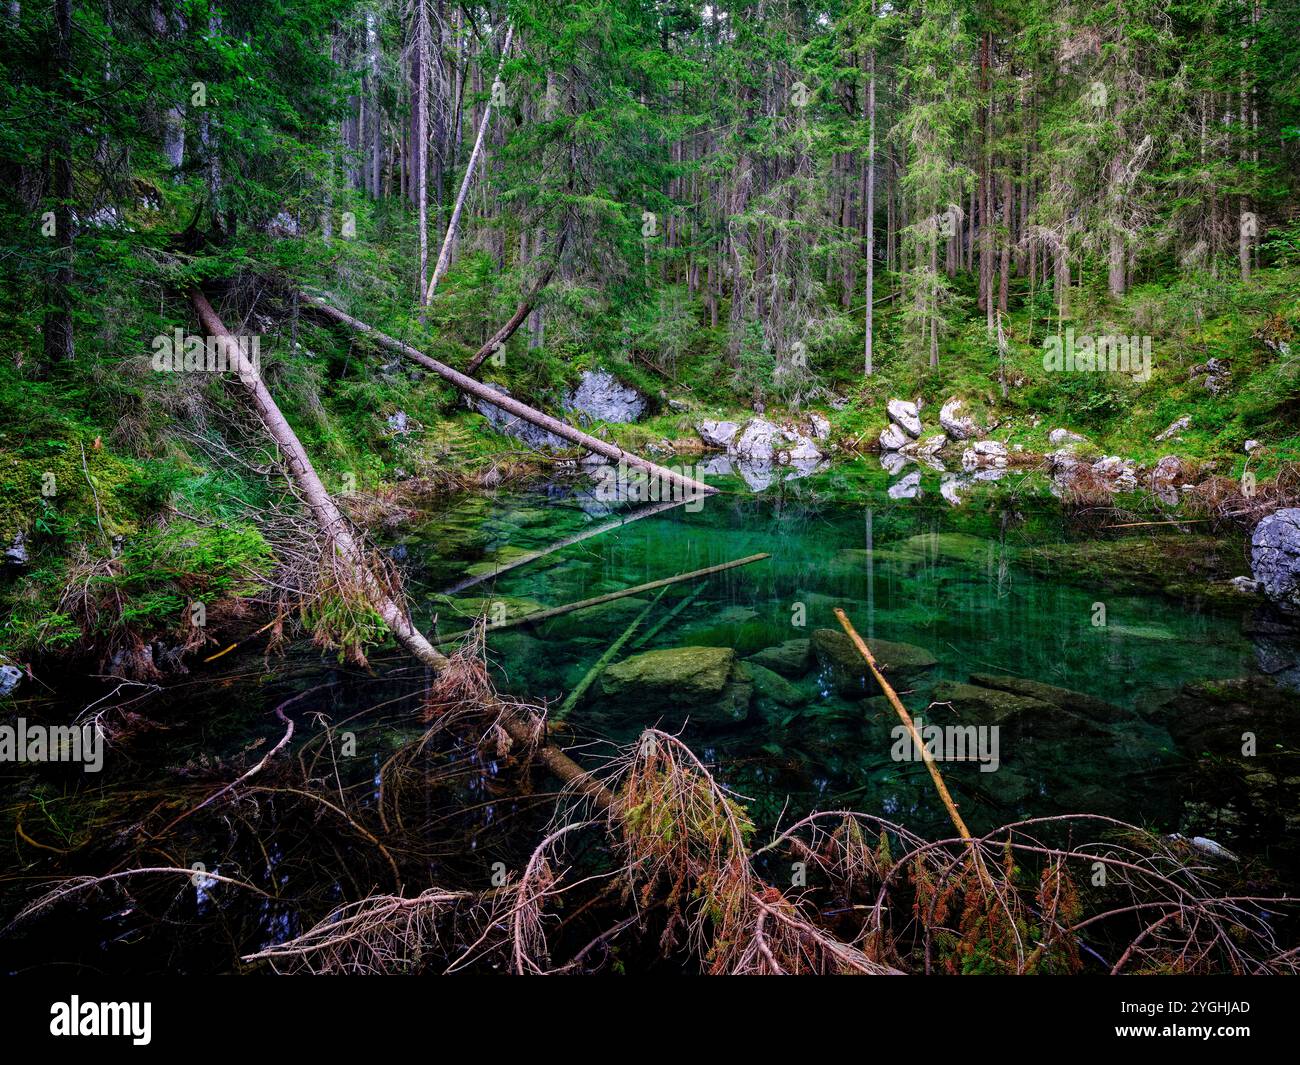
(508, 404)
(568, 541)
(608, 597)
(593, 674)
(906, 718)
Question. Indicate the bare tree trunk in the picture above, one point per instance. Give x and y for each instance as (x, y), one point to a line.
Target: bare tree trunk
(57, 325)
(444, 256)
(498, 399)
(523, 727)
(870, 204)
(420, 147)
(337, 531)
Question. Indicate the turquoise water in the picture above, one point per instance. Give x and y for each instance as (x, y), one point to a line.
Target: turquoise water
(959, 582)
(1002, 586)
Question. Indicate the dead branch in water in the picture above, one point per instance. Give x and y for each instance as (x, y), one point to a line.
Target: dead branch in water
(608, 597)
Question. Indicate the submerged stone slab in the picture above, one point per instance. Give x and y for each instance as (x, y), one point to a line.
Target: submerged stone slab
(790, 659)
(773, 686)
(1076, 702)
(849, 671)
(678, 674)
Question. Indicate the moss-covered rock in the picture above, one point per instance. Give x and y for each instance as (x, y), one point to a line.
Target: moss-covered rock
(703, 684)
(849, 673)
(1184, 567)
(1019, 715)
(1076, 702)
(1212, 716)
(675, 674)
(790, 659)
(773, 686)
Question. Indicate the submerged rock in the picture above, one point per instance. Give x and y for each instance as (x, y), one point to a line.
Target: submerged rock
(790, 659)
(1275, 557)
(1020, 715)
(682, 674)
(773, 686)
(1215, 715)
(1077, 702)
(849, 672)
(706, 682)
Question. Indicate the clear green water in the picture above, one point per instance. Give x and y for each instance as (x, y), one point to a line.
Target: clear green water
(962, 583)
(952, 580)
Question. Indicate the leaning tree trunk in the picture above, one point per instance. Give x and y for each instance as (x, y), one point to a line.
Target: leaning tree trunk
(511, 406)
(523, 727)
(444, 256)
(497, 339)
(337, 531)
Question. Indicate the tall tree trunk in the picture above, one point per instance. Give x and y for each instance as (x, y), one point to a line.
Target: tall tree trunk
(57, 326)
(870, 207)
(420, 145)
(444, 256)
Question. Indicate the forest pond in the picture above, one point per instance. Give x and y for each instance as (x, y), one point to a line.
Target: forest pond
(1111, 660)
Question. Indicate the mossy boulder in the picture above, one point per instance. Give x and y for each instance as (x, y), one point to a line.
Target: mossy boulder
(705, 684)
(790, 659)
(675, 674)
(1212, 716)
(847, 670)
(773, 686)
(1076, 702)
(1019, 715)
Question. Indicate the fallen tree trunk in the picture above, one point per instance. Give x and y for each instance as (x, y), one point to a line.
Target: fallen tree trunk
(337, 531)
(568, 541)
(524, 730)
(506, 403)
(907, 721)
(608, 597)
